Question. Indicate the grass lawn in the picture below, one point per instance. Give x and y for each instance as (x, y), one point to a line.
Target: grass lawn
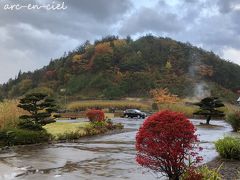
(63, 127)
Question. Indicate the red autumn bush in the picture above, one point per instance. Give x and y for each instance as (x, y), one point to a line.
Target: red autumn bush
(95, 115)
(165, 142)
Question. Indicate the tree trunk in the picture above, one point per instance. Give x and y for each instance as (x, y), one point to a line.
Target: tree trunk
(208, 119)
(174, 178)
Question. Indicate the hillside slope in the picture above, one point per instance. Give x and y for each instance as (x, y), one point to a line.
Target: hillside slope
(114, 68)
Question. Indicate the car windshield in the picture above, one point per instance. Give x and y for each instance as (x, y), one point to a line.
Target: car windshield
(137, 111)
(133, 111)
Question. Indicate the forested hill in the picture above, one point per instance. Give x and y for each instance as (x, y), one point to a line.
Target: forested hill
(114, 68)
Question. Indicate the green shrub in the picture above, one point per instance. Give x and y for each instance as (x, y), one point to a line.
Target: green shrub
(90, 131)
(228, 147)
(29, 125)
(202, 173)
(101, 127)
(96, 128)
(110, 126)
(69, 135)
(118, 126)
(210, 174)
(10, 137)
(234, 120)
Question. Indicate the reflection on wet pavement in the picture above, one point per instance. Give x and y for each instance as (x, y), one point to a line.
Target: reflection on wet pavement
(100, 157)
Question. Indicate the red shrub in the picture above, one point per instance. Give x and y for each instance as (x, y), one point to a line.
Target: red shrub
(165, 142)
(95, 115)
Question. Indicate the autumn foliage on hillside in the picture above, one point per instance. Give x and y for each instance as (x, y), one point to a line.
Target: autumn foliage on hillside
(205, 70)
(103, 48)
(113, 68)
(165, 142)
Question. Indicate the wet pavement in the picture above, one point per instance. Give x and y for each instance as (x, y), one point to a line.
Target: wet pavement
(101, 157)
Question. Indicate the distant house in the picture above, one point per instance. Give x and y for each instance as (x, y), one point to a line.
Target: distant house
(238, 101)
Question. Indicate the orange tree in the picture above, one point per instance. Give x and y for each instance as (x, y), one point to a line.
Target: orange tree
(162, 96)
(165, 142)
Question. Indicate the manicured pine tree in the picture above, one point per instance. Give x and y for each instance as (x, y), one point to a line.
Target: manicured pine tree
(39, 106)
(208, 107)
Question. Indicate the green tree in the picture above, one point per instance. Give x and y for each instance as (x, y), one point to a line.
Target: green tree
(40, 108)
(25, 85)
(113, 92)
(1, 98)
(1, 94)
(132, 62)
(208, 107)
(102, 62)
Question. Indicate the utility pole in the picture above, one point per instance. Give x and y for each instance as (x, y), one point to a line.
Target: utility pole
(65, 95)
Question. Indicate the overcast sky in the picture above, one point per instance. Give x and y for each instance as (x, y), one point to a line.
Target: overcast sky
(30, 38)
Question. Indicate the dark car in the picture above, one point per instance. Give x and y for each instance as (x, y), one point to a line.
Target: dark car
(131, 113)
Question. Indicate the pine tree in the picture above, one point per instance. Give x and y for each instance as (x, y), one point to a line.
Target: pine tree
(40, 108)
(208, 108)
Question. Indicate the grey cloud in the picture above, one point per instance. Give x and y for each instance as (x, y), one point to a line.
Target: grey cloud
(226, 6)
(27, 48)
(25, 37)
(163, 18)
(84, 18)
(219, 30)
(191, 1)
(101, 9)
(14, 60)
(146, 19)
